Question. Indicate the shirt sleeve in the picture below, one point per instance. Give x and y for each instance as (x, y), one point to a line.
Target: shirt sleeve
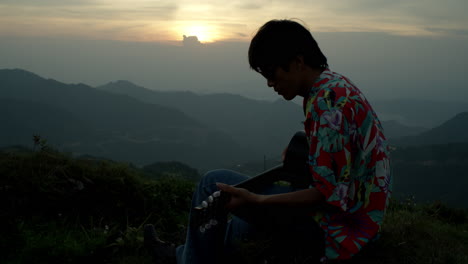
(330, 149)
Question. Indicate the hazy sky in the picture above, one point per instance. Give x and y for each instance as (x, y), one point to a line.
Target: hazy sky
(400, 48)
(166, 20)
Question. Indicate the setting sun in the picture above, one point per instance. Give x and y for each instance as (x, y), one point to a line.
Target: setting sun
(202, 32)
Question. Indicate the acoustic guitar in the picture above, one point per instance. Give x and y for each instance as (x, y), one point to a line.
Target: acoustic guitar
(294, 170)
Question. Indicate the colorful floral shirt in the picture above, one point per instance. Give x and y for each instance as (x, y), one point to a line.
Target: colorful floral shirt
(349, 163)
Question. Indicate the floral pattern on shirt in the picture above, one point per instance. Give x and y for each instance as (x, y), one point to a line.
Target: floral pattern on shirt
(349, 162)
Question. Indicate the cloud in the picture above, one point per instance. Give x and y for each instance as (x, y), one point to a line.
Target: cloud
(191, 41)
(48, 2)
(250, 6)
(90, 9)
(450, 32)
(160, 12)
(406, 16)
(140, 22)
(228, 19)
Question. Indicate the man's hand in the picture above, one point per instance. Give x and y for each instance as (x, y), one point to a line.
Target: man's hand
(239, 197)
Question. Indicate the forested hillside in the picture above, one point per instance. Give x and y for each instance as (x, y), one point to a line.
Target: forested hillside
(58, 209)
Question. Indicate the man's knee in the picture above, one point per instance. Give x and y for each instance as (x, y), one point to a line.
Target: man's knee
(213, 176)
(224, 176)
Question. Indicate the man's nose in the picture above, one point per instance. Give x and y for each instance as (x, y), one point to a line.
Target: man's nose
(270, 83)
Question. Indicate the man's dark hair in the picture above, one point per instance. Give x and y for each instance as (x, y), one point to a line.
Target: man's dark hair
(278, 42)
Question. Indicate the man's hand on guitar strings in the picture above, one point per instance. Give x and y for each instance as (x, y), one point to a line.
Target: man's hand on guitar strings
(238, 197)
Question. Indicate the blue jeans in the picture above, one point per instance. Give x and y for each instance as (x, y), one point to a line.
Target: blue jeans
(211, 246)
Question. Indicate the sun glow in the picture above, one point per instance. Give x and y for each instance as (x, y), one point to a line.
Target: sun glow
(202, 32)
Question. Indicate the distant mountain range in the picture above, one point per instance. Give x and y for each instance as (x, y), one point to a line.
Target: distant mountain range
(123, 121)
(394, 129)
(451, 131)
(265, 125)
(82, 119)
(419, 113)
(142, 126)
(218, 110)
(126, 122)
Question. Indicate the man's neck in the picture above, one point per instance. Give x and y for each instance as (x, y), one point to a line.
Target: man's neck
(310, 77)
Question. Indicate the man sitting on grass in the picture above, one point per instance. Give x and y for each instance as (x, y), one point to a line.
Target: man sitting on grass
(348, 161)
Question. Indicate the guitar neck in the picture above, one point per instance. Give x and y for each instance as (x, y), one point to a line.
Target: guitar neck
(261, 180)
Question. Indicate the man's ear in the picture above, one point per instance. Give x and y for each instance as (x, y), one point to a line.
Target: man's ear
(299, 61)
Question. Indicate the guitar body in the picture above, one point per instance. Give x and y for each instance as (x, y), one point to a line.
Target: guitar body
(294, 170)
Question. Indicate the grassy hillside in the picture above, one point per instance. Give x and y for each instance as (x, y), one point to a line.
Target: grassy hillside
(57, 209)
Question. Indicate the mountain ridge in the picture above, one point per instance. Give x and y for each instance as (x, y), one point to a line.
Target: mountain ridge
(450, 131)
(136, 117)
(130, 125)
(248, 121)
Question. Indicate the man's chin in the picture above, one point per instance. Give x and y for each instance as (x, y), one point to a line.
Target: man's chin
(288, 97)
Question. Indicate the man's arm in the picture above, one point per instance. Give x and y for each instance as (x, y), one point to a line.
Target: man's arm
(241, 197)
(303, 198)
